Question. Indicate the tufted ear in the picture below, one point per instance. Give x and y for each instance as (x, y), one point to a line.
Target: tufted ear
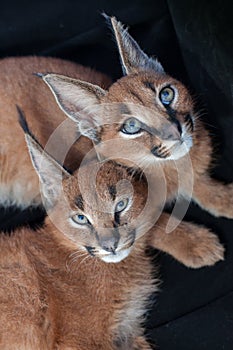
(133, 59)
(50, 172)
(76, 98)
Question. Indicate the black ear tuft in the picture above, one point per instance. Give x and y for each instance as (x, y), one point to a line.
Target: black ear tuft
(107, 18)
(38, 74)
(132, 57)
(24, 125)
(22, 121)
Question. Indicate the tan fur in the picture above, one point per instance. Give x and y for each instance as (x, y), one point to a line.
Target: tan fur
(192, 245)
(137, 95)
(18, 181)
(56, 293)
(45, 305)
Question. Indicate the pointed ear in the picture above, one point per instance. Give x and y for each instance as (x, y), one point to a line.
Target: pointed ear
(132, 57)
(50, 172)
(75, 97)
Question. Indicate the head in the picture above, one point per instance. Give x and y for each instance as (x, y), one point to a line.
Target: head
(99, 209)
(146, 114)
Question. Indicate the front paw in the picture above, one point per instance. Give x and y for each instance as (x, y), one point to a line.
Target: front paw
(201, 250)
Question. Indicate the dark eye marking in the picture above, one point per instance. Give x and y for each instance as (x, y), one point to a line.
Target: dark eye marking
(117, 220)
(79, 202)
(172, 117)
(150, 129)
(124, 109)
(149, 85)
(171, 112)
(112, 191)
(133, 93)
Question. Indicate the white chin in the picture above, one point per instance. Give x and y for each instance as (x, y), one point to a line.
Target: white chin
(119, 256)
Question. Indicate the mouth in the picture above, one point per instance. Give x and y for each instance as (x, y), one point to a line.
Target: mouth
(111, 257)
(116, 257)
(173, 150)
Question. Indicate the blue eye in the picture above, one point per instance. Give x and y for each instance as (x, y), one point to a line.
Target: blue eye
(131, 126)
(167, 95)
(80, 219)
(121, 205)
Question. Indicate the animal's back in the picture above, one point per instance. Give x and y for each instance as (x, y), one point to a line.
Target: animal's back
(19, 86)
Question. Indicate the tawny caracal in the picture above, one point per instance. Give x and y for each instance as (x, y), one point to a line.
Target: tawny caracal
(84, 280)
(146, 119)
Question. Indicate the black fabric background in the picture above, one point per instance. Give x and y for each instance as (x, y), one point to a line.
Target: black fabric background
(193, 39)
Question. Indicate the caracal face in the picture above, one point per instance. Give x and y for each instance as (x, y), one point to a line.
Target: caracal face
(141, 124)
(103, 207)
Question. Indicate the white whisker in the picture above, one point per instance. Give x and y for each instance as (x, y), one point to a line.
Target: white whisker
(74, 257)
(87, 257)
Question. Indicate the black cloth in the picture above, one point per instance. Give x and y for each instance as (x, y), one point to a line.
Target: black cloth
(193, 39)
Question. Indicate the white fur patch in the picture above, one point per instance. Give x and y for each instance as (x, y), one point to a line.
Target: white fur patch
(131, 136)
(119, 256)
(17, 194)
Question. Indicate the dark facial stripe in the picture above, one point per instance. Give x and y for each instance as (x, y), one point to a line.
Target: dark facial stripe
(79, 202)
(171, 112)
(133, 93)
(112, 191)
(172, 117)
(90, 250)
(117, 220)
(151, 130)
(149, 85)
(124, 109)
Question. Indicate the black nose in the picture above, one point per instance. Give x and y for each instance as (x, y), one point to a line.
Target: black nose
(109, 246)
(109, 243)
(109, 249)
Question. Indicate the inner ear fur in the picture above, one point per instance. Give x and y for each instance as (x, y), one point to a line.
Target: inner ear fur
(49, 171)
(133, 59)
(77, 99)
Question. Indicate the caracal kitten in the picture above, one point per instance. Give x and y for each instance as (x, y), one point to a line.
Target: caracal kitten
(146, 118)
(84, 280)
